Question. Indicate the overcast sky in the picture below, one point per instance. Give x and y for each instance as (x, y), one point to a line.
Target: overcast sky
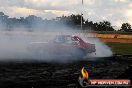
(115, 11)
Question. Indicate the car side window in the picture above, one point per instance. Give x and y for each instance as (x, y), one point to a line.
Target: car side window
(59, 40)
(68, 40)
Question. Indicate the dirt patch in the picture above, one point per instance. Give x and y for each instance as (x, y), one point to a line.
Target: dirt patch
(116, 40)
(118, 36)
(53, 75)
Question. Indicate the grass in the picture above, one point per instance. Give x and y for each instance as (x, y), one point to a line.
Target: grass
(121, 48)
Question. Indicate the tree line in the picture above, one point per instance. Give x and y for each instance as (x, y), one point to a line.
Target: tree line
(35, 22)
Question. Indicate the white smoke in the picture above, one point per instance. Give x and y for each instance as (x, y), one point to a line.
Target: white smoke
(14, 45)
(102, 50)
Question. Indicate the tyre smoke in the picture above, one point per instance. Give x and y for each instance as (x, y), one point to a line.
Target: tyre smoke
(14, 45)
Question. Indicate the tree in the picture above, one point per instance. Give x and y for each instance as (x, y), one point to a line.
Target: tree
(104, 26)
(77, 19)
(33, 22)
(126, 27)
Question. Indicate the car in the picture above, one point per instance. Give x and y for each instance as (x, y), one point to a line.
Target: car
(64, 46)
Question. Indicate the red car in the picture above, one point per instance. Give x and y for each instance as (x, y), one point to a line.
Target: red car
(63, 45)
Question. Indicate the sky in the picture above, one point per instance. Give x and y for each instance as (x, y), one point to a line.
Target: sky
(115, 11)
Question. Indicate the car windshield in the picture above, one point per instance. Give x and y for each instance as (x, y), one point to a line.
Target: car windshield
(61, 39)
(65, 39)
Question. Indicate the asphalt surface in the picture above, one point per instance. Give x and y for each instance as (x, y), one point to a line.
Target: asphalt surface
(62, 75)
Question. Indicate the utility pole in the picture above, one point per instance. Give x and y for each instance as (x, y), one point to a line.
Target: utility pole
(82, 18)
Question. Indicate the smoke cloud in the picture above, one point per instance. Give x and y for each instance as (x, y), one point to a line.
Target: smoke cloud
(14, 45)
(28, 42)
